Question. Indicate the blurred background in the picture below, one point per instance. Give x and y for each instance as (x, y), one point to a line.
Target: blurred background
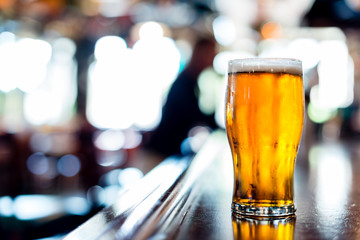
(87, 88)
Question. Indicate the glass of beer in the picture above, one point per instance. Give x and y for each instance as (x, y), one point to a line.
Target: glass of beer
(264, 122)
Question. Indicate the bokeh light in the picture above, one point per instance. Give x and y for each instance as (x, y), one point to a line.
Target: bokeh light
(29, 207)
(6, 206)
(132, 88)
(110, 85)
(210, 91)
(33, 55)
(320, 115)
(69, 165)
(94, 195)
(129, 176)
(38, 163)
(221, 59)
(336, 78)
(76, 205)
(111, 158)
(110, 140)
(51, 100)
(301, 48)
(110, 178)
(109, 48)
(133, 139)
(41, 142)
(271, 30)
(113, 8)
(7, 60)
(224, 30)
(40, 107)
(151, 31)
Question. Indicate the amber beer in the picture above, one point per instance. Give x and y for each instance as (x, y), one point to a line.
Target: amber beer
(264, 121)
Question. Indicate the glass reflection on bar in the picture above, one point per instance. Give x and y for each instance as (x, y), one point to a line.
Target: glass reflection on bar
(251, 229)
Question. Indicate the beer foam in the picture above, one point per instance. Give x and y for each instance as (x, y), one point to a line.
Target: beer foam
(271, 65)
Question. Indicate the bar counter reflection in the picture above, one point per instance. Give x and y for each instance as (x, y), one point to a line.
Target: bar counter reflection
(251, 229)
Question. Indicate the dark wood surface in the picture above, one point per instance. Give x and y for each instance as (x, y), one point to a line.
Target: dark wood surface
(190, 199)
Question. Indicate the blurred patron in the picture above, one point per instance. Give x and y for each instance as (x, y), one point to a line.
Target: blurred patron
(181, 111)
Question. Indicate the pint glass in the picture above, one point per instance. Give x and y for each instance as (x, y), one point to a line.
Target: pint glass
(264, 122)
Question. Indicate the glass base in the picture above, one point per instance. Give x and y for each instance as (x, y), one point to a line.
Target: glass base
(267, 212)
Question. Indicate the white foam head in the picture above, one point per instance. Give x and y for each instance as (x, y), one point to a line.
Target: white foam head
(272, 65)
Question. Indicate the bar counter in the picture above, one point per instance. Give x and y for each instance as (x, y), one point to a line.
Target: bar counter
(190, 198)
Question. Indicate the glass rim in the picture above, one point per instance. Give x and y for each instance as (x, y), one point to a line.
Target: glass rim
(259, 64)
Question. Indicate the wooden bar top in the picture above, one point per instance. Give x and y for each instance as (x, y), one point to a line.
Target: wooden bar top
(191, 199)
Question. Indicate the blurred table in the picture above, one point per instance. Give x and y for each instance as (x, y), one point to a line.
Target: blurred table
(190, 199)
